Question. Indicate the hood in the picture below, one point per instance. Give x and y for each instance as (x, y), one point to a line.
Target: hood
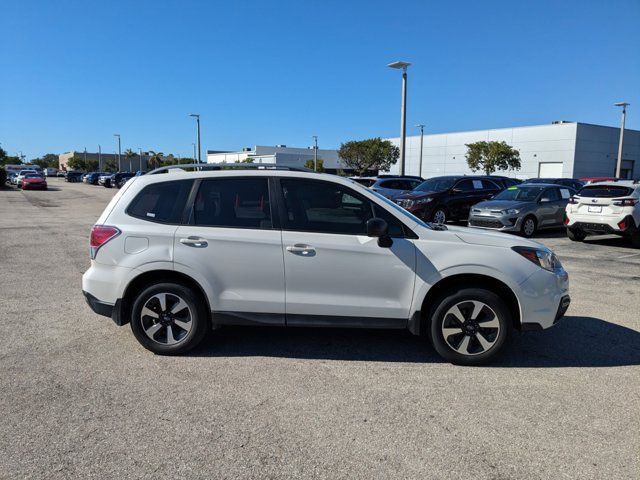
(417, 194)
(493, 239)
(501, 204)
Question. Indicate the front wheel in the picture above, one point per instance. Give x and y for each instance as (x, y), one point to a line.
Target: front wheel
(169, 318)
(528, 227)
(470, 326)
(439, 216)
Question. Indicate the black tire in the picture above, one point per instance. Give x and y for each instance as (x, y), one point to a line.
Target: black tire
(438, 214)
(199, 319)
(497, 312)
(635, 239)
(576, 235)
(525, 228)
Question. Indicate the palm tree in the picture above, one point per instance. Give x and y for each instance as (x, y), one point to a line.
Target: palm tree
(155, 159)
(129, 154)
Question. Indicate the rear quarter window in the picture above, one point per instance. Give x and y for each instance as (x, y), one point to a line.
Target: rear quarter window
(161, 202)
(605, 191)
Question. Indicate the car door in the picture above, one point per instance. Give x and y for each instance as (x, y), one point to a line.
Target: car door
(463, 197)
(232, 242)
(565, 194)
(335, 274)
(548, 206)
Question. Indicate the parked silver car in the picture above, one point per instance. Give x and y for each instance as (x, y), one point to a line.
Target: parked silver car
(523, 208)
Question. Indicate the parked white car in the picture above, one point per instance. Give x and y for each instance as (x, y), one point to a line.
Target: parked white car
(605, 208)
(180, 253)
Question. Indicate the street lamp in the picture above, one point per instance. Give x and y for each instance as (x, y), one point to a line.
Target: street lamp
(197, 117)
(194, 152)
(315, 153)
(140, 158)
(119, 151)
(403, 113)
(624, 106)
(421, 127)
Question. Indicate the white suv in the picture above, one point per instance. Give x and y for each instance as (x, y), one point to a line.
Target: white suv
(606, 207)
(182, 252)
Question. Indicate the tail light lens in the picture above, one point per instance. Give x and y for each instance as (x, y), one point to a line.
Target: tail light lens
(573, 201)
(566, 220)
(622, 225)
(101, 234)
(626, 202)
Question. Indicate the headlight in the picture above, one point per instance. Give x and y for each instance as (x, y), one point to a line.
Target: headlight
(542, 257)
(512, 211)
(423, 200)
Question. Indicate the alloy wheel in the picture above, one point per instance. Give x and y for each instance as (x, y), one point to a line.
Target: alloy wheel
(439, 217)
(470, 327)
(529, 227)
(166, 318)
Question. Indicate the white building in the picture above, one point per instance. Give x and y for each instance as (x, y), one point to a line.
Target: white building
(279, 154)
(559, 149)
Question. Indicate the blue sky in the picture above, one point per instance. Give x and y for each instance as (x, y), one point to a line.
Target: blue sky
(76, 72)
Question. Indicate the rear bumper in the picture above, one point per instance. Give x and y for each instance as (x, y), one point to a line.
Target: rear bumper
(603, 224)
(113, 311)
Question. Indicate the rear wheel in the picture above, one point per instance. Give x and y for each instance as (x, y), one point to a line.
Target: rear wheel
(169, 318)
(576, 235)
(470, 326)
(528, 227)
(635, 239)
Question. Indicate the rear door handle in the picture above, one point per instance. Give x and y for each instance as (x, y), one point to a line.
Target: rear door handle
(195, 242)
(301, 249)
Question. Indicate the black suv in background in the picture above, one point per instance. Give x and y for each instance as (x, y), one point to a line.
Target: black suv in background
(441, 199)
(118, 179)
(565, 182)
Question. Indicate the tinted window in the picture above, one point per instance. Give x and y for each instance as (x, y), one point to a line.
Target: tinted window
(466, 186)
(605, 191)
(161, 202)
(234, 203)
(324, 207)
(437, 184)
(396, 229)
(367, 182)
(489, 185)
(510, 182)
(553, 194)
(389, 184)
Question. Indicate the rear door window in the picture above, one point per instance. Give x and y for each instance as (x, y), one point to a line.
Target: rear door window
(605, 191)
(490, 185)
(233, 203)
(161, 202)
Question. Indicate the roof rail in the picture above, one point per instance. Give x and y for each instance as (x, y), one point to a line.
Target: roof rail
(218, 166)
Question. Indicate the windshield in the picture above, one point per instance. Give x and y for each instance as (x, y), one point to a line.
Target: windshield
(437, 184)
(605, 191)
(520, 193)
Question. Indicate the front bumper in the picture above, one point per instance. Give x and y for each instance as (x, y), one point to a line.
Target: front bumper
(544, 299)
(502, 223)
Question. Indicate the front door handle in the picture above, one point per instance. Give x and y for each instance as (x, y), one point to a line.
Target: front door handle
(195, 242)
(301, 249)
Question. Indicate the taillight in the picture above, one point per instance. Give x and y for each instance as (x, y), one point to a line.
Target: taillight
(566, 220)
(573, 200)
(626, 202)
(622, 225)
(101, 234)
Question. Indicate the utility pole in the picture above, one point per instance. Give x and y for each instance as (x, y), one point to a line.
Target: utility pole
(99, 158)
(315, 153)
(197, 117)
(403, 112)
(624, 106)
(421, 127)
(119, 151)
(140, 159)
(194, 152)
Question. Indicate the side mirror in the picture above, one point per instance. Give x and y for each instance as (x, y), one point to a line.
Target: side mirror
(378, 228)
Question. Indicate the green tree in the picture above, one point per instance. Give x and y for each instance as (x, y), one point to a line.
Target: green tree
(155, 159)
(245, 160)
(50, 160)
(310, 164)
(492, 156)
(110, 165)
(76, 163)
(129, 154)
(370, 154)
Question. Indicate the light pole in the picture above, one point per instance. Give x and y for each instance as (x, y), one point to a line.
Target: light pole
(315, 153)
(140, 155)
(99, 158)
(421, 127)
(403, 112)
(197, 116)
(194, 152)
(624, 106)
(119, 150)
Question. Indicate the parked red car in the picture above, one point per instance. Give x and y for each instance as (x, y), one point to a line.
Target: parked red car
(34, 182)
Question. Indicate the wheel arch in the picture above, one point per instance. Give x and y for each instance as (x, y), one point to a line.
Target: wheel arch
(465, 280)
(157, 276)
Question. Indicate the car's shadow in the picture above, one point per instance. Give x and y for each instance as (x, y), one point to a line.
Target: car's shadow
(575, 342)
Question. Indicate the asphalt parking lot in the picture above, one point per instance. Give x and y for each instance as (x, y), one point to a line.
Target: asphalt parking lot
(80, 398)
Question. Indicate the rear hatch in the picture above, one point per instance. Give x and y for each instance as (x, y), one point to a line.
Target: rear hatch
(598, 200)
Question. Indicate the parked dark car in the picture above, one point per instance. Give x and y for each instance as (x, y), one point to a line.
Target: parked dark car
(92, 178)
(441, 199)
(565, 182)
(390, 186)
(71, 176)
(118, 179)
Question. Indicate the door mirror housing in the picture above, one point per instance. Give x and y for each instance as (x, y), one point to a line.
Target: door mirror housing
(378, 228)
